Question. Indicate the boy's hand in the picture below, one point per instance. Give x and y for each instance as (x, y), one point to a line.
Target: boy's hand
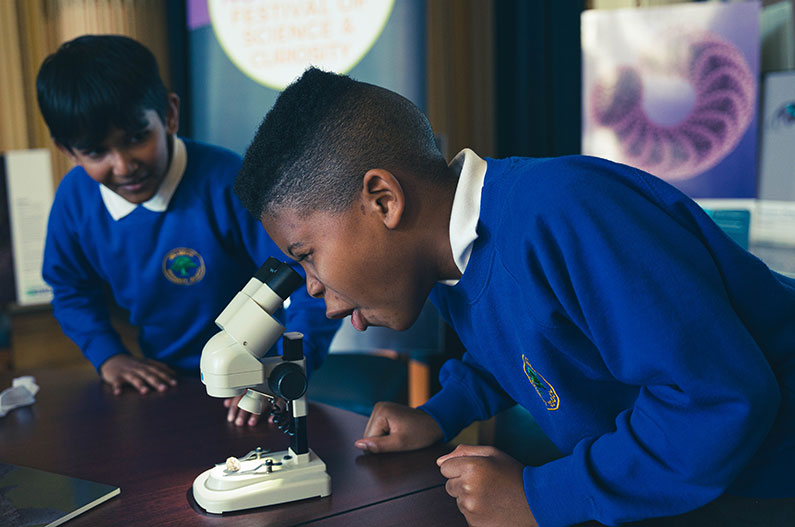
(487, 485)
(238, 415)
(394, 427)
(141, 374)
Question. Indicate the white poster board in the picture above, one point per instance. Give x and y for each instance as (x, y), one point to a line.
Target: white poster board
(30, 195)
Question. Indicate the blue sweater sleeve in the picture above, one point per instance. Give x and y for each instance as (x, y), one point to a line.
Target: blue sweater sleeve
(628, 273)
(469, 393)
(79, 298)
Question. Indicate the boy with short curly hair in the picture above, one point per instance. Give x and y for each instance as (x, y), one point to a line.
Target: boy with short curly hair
(657, 354)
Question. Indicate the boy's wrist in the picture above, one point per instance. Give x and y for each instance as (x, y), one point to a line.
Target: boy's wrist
(449, 408)
(103, 347)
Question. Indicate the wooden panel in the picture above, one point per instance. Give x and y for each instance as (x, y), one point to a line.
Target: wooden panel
(143, 20)
(419, 383)
(13, 124)
(32, 29)
(34, 48)
(461, 74)
(37, 340)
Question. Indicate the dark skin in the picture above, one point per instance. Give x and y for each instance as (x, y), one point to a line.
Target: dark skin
(133, 164)
(377, 261)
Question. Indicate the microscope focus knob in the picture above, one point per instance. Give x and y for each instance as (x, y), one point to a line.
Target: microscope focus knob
(288, 381)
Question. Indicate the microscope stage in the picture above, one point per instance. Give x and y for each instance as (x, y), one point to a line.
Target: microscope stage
(279, 477)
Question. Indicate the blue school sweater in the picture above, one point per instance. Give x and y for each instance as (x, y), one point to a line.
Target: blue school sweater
(654, 352)
(174, 271)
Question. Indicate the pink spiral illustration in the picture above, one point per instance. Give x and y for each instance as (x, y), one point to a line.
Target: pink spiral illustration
(724, 106)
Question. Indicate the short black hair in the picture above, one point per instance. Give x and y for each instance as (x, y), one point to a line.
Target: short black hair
(322, 135)
(96, 82)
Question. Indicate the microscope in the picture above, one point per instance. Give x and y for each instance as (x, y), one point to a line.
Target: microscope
(233, 363)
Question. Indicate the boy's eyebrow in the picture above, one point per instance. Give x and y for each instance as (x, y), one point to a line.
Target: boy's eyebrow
(292, 246)
(138, 129)
(85, 146)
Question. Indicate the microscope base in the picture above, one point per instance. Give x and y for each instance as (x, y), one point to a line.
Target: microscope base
(290, 478)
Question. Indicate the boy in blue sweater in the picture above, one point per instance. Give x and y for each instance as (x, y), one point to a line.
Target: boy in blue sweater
(148, 218)
(657, 354)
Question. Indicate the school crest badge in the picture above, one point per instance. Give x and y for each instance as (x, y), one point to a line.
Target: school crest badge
(541, 386)
(183, 266)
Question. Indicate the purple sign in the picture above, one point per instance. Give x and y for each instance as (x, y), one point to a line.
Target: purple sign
(673, 91)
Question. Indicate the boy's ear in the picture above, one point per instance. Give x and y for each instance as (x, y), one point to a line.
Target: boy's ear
(383, 195)
(172, 114)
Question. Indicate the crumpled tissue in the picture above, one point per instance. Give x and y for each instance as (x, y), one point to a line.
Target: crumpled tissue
(22, 392)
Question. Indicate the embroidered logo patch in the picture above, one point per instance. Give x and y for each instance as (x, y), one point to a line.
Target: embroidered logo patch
(183, 266)
(541, 386)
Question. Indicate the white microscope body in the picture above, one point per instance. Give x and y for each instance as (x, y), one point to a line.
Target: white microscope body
(233, 362)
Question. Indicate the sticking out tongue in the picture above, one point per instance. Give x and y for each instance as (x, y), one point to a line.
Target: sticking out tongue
(358, 322)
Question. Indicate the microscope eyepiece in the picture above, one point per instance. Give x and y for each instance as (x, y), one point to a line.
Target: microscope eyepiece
(280, 277)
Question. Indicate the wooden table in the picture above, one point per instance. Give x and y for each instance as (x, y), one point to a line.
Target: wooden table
(154, 446)
(423, 508)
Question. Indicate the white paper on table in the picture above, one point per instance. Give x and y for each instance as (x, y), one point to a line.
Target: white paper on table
(21, 393)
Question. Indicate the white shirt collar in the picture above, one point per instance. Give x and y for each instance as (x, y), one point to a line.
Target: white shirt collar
(466, 207)
(118, 207)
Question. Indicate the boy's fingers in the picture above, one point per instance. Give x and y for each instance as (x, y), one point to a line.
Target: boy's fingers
(161, 375)
(231, 403)
(466, 450)
(161, 370)
(136, 382)
(454, 467)
(234, 415)
(453, 487)
(242, 416)
(376, 426)
(166, 377)
(378, 445)
(151, 379)
(162, 366)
